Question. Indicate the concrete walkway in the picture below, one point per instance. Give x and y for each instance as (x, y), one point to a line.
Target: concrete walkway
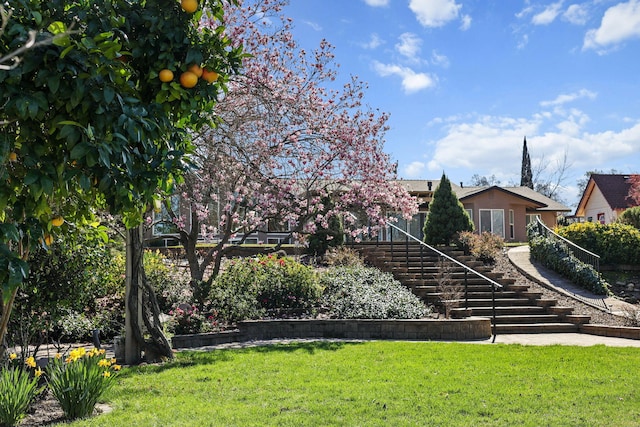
(520, 257)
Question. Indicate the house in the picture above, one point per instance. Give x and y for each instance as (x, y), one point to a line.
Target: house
(504, 211)
(605, 197)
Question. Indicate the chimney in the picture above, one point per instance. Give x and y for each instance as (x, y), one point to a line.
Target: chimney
(429, 185)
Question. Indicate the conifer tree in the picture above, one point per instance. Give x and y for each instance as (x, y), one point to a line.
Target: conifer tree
(526, 174)
(447, 216)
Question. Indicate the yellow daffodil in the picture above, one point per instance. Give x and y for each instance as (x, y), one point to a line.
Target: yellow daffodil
(30, 362)
(13, 356)
(117, 367)
(104, 363)
(106, 374)
(38, 372)
(58, 356)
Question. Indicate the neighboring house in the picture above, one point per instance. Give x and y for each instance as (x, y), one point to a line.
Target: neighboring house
(504, 211)
(605, 197)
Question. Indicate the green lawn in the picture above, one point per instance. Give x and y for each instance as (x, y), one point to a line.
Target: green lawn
(383, 384)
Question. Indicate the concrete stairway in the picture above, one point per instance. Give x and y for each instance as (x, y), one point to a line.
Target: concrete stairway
(441, 283)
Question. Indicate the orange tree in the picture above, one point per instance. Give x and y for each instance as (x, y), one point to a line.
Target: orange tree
(86, 120)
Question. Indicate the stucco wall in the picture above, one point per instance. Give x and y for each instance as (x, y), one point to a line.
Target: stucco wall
(505, 201)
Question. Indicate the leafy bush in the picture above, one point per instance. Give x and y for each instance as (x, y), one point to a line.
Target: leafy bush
(18, 387)
(616, 243)
(250, 288)
(631, 217)
(485, 247)
(171, 287)
(360, 292)
(78, 381)
(342, 256)
(554, 255)
(186, 319)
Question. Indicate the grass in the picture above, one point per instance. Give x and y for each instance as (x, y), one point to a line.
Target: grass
(383, 384)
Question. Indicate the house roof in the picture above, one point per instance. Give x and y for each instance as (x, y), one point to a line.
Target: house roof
(614, 189)
(534, 199)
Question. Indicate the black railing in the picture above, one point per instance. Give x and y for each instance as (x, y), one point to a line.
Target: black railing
(570, 247)
(408, 237)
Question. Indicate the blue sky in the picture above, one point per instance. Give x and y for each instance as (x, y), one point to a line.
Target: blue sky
(466, 80)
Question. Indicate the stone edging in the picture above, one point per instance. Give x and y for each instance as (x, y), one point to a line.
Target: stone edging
(611, 331)
(471, 328)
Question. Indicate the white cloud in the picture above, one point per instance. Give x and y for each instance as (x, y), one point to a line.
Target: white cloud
(314, 25)
(619, 23)
(435, 13)
(414, 170)
(569, 97)
(411, 81)
(548, 15)
(466, 22)
(409, 45)
(377, 3)
(438, 59)
(576, 14)
(374, 42)
(492, 145)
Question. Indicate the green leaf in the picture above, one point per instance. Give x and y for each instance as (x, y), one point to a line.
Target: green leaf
(57, 27)
(79, 151)
(31, 177)
(108, 94)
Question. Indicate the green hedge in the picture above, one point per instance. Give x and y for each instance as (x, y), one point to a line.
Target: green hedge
(615, 243)
(552, 254)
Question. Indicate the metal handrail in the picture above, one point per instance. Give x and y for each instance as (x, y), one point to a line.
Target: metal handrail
(494, 285)
(579, 252)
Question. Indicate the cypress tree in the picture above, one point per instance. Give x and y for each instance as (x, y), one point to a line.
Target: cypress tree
(447, 216)
(526, 174)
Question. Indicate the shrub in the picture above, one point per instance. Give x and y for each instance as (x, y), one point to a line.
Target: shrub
(78, 381)
(554, 255)
(186, 319)
(18, 387)
(342, 256)
(616, 243)
(631, 217)
(171, 287)
(367, 293)
(485, 247)
(447, 216)
(250, 288)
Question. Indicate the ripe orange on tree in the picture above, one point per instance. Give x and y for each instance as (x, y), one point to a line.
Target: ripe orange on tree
(165, 75)
(57, 221)
(209, 76)
(195, 69)
(13, 157)
(189, 6)
(188, 79)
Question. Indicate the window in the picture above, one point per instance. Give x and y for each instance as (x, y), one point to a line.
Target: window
(512, 228)
(532, 218)
(601, 219)
(492, 221)
(162, 223)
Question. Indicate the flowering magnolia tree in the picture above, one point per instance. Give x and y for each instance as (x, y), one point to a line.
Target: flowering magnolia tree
(284, 143)
(634, 190)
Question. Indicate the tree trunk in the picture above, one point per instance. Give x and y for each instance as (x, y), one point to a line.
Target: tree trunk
(142, 308)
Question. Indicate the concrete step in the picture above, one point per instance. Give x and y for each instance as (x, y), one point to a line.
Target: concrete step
(526, 319)
(537, 328)
(509, 311)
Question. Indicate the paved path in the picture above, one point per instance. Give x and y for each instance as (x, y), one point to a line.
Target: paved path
(520, 257)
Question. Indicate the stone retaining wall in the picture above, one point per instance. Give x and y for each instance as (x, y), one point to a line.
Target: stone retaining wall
(471, 328)
(611, 331)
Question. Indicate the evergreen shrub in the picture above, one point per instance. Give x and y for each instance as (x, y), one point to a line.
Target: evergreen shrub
(615, 243)
(360, 292)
